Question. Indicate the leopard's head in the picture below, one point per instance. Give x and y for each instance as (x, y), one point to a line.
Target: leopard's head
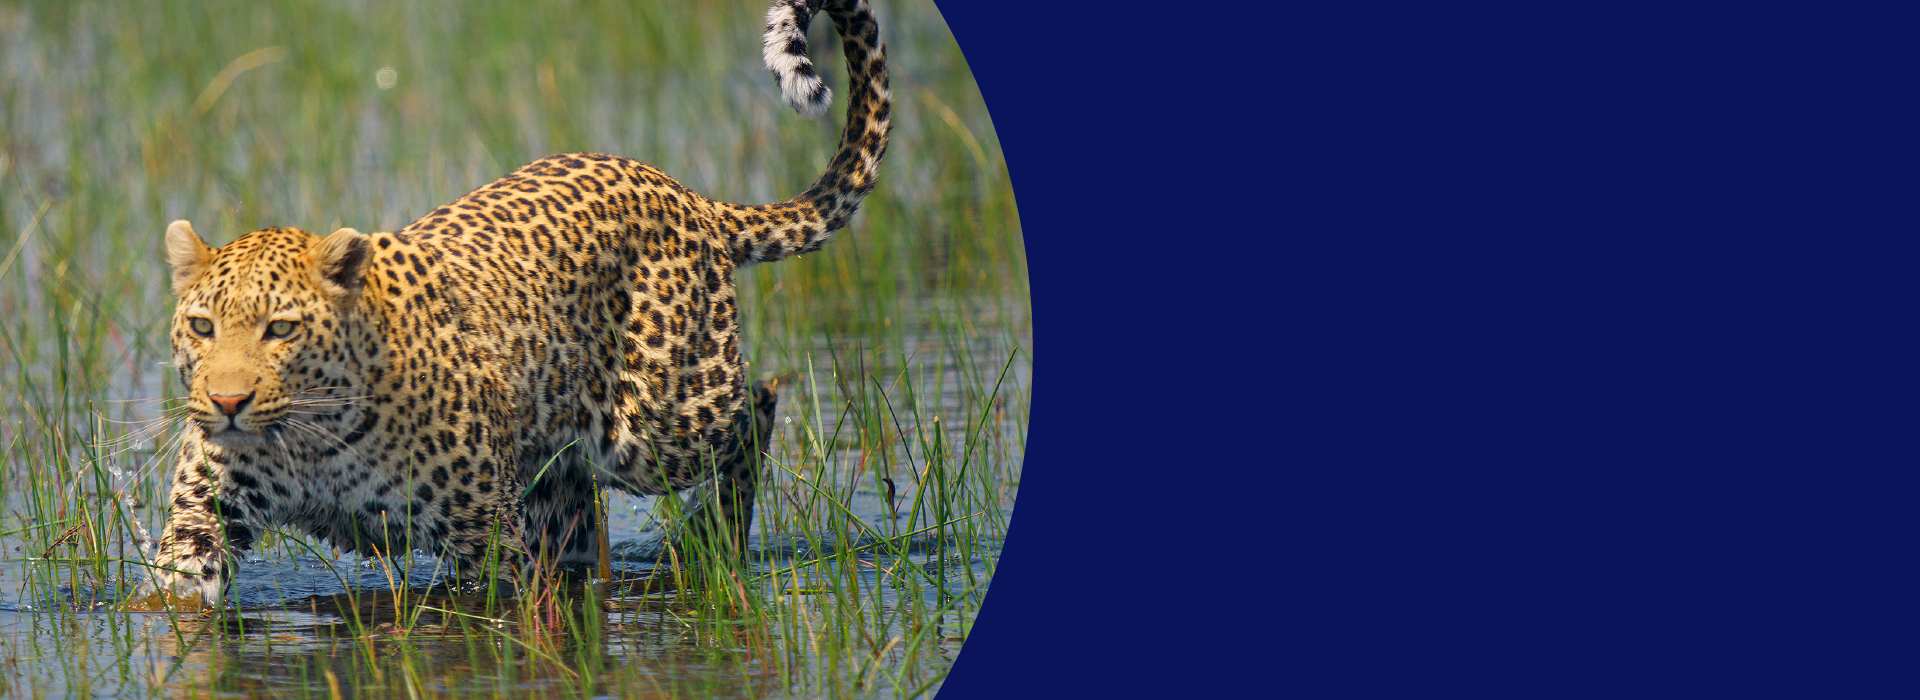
(258, 329)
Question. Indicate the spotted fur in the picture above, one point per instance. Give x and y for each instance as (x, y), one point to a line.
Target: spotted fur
(468, 381)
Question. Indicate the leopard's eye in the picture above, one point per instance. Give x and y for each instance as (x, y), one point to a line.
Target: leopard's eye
(279, 329)
(201, 326)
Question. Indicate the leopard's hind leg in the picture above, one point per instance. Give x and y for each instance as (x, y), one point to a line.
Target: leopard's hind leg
(724, 511)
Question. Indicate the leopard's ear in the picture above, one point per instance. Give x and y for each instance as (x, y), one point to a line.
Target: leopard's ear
(186, 253)
(338, 263)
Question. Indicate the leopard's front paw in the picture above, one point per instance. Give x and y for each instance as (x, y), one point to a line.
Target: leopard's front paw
(176, 586)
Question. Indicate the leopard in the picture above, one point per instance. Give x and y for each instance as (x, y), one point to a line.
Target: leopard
(464, 386)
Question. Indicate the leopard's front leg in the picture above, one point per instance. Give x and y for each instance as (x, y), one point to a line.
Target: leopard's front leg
(209, 525)
(486, 533)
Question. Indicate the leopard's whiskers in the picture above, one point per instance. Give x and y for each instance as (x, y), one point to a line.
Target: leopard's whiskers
(178, 427)
(312, 429)
(310, 397)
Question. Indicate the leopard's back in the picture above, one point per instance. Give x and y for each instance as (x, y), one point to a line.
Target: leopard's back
(599, 292)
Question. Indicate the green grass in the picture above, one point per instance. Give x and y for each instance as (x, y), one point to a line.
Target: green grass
(904, 348)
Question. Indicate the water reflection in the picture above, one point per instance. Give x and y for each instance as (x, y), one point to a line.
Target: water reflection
(634, 637)
(366, 646)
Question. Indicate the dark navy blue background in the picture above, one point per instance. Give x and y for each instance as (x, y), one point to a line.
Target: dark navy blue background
(1490, 352)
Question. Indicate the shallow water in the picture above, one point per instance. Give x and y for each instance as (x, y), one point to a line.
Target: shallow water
(286, 650)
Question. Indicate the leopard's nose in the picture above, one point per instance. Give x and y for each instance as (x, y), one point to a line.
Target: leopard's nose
(230, 404)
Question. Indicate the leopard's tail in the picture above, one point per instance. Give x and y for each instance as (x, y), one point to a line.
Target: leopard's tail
(765, 233)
